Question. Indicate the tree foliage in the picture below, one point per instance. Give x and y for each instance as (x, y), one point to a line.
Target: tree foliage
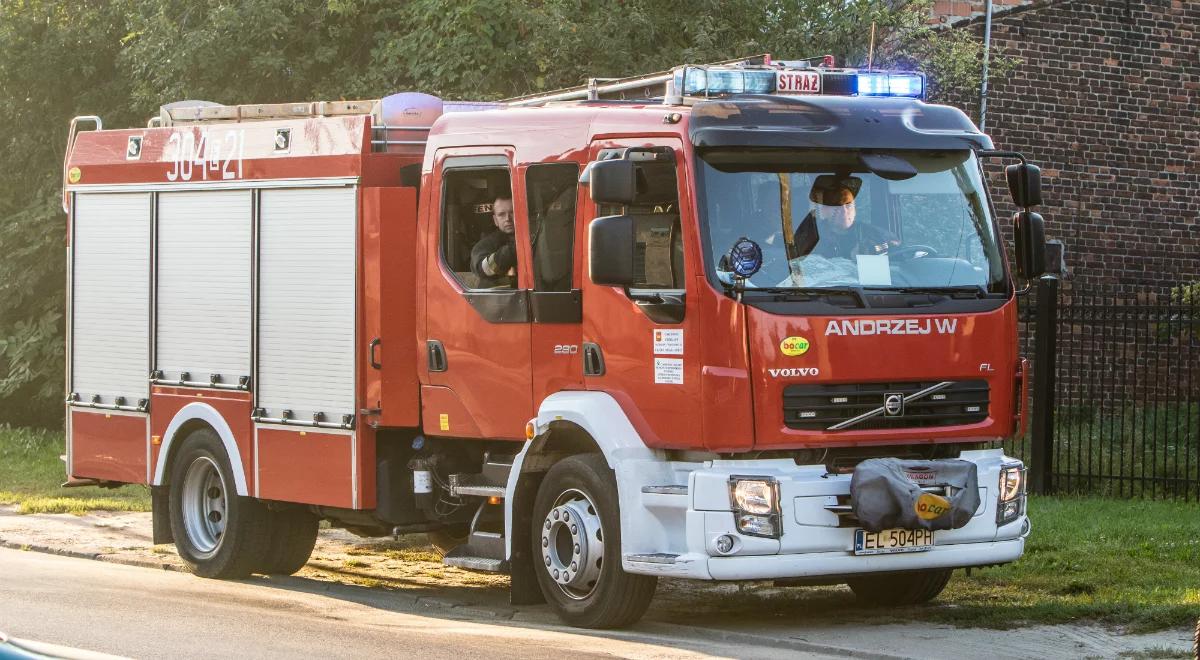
(121, 59)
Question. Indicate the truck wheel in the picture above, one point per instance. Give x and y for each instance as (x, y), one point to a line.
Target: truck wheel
(577, 547)
(901, 588)
(292, 537)
(218, 533)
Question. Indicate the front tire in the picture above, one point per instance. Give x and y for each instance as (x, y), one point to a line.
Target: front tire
(900, 588)
(218, 533)
(577, 547)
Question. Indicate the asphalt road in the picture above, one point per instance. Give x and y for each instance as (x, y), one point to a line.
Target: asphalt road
(147, 613)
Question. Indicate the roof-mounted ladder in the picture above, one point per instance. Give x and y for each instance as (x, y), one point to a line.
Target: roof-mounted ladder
(609, 88)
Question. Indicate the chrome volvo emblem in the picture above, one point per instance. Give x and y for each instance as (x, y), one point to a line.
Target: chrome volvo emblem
(893, 405)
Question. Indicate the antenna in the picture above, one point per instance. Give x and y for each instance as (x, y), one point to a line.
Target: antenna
(871, 50)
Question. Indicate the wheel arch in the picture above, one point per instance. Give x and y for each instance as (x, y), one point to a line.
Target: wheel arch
(191, 417)
(569, 424)
(575, 421)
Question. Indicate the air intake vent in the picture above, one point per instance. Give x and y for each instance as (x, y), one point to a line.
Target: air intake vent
(818, 407)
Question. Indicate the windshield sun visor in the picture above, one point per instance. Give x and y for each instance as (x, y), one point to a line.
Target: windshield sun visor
(832, 122)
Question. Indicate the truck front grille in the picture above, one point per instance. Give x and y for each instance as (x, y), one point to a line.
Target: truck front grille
(818, 407)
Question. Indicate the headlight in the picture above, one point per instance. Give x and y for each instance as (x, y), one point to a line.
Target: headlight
(754, 496)
(1012, 483)
(1011, 502)
(755, 504)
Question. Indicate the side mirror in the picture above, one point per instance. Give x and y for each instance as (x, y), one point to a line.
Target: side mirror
(1030, 232)
(611, 245)
(1025, 184)
(613, 182)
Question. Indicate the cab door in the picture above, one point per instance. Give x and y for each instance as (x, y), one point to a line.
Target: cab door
(477, 378)
(642, 346)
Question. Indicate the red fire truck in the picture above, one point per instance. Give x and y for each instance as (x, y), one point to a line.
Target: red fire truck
(715, 294)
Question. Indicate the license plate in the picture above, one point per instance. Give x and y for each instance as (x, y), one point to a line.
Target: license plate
(892, 540)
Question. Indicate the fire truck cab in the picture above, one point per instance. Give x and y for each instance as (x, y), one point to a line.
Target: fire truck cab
(657, 327)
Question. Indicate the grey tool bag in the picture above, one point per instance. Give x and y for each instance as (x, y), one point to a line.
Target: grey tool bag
(886, 493)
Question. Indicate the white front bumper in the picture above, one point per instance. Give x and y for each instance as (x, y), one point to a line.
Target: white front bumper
(831, 563)
(812, 543)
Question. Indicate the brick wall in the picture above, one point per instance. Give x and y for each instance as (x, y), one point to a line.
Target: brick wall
(949, 12)
(1107, 102)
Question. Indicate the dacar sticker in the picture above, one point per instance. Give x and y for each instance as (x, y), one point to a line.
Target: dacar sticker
(931, 507)
(793, 346)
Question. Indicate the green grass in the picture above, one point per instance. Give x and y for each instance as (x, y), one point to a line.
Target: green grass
(1133, 563)
(31, 474)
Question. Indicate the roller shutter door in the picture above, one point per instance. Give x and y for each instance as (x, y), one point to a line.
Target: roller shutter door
(306, 307)
(204, 285)
(110, 297)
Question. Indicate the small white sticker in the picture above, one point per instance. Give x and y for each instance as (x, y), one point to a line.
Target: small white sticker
(668, 342)
(422, 482)
(668, 371)
(874, 270)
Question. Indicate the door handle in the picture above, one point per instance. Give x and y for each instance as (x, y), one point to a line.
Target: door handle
(374, 360)
(436, 354)
(593, 359)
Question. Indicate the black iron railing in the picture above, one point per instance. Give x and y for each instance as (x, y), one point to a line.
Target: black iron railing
(1122, 367)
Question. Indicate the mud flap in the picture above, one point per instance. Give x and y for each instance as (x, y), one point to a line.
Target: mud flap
(160, 516)
(524, 589)
(888, 493)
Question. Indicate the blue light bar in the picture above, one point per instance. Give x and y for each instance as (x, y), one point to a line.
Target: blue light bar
(709, 82)
(891, 84)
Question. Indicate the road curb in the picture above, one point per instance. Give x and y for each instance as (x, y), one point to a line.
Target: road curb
(789, 644)
(95, 556)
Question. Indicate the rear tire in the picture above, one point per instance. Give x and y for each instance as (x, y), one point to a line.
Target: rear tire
(293, 536)
(218, 533)
(901, 588)
(576, 545)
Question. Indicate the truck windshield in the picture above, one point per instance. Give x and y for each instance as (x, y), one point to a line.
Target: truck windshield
(900, 220)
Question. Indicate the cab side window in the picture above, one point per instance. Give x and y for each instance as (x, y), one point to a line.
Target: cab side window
(478, 227)
(551, 190)
(658, 249)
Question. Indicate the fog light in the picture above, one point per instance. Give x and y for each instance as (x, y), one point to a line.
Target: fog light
(724, 544)
(753, 525)
(1009, 511)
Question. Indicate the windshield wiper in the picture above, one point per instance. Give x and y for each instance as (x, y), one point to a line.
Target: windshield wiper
(966, 290)
(784, 293)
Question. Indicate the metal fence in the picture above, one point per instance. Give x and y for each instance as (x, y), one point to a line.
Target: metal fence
(1123, 418)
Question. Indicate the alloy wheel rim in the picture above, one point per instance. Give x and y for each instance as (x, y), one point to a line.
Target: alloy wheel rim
(572, 544)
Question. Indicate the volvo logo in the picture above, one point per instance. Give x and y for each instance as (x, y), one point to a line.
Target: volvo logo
(893, 405)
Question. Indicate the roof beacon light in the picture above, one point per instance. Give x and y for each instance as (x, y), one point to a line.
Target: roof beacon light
(715, 81)
(891, 84)
(792, 78)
